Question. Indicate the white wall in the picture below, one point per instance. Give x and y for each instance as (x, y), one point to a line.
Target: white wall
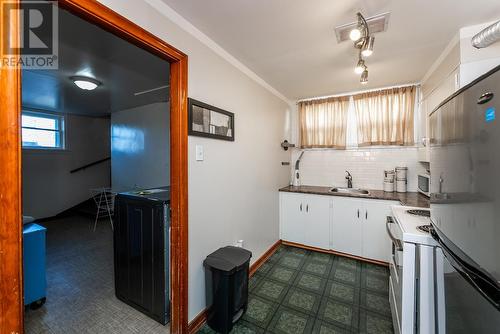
(140, 147)
(233, 192)
(475, 62)
(327, 167)
(48, 186)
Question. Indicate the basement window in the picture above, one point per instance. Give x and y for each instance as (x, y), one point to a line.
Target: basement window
(42, 131)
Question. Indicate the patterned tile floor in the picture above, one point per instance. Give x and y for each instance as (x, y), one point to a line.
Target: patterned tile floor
(298, 291)
(80, 285)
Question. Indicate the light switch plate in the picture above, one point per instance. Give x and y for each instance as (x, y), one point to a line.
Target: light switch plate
(199, 153)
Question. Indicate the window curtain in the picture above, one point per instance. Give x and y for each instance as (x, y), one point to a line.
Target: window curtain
(386, 117)
(323, 122)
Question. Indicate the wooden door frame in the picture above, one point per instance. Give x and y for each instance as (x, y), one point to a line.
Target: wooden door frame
(11, 276)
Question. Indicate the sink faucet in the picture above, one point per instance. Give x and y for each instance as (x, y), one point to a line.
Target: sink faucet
(348, 177)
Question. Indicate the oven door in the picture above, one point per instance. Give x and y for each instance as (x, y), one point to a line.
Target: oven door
(396, 272)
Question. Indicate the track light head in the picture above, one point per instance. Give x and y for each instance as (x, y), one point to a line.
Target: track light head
(367, 48)
(355, 34)
(360, 66)
(364, 77)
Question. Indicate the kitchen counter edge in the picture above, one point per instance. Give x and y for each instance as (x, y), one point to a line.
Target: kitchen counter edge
(408, 199)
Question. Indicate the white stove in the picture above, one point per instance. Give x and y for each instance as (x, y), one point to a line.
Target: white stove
(409, 224)
(412, 277)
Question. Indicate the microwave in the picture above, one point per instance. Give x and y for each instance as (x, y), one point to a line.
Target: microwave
(424, 184)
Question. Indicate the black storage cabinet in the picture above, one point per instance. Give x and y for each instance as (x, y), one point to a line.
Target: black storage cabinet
(141, 251)
(226, 278)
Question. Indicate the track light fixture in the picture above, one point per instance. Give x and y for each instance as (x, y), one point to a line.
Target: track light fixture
(363, 41)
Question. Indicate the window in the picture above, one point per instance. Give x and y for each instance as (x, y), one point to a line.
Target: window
(323, 122)
(43, 131)
(381, 117)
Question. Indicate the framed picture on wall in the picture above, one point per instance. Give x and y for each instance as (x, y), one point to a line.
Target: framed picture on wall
(209, 121)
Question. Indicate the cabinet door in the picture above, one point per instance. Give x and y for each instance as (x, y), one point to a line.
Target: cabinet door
(346, 226)
(376, 242)
(317, 221)
(423, 129)
(292, 217)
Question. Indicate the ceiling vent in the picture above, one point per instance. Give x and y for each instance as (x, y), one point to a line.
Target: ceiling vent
(377, 23)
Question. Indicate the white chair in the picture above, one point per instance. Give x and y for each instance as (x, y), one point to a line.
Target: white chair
(104, 199)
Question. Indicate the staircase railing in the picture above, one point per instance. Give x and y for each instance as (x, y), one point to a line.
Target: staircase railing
(97, 162)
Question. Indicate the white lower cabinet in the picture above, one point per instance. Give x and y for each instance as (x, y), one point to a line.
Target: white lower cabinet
(358, 227)
(291, 218)
(305, 219)
(376, 242)
(347, 233)
(317, 221)
(353, 226)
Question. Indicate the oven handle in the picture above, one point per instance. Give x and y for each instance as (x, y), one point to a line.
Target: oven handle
(395, 241)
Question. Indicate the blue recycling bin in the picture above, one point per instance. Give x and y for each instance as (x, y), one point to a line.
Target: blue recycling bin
(35, 283)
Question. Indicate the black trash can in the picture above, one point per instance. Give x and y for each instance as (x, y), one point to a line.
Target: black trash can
(226, 278)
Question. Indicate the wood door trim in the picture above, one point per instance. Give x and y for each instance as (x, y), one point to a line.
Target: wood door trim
(11, 304)
(11, 279)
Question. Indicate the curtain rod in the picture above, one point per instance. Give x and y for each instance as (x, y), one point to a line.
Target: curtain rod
(357, 92)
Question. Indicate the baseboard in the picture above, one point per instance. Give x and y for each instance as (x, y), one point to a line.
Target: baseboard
(67, 212)
(328, 251)
(257, 264)
(198, 321)
(195, 325)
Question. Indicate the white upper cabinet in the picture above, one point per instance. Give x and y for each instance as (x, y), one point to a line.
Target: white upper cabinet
(447, 87)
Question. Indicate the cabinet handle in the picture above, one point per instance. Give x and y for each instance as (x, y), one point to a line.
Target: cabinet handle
(300, 206)
(358, 213)
(307, 208)
(366, 214)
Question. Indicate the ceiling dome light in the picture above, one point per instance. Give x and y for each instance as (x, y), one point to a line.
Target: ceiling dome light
(364, 77)
(360, 66)
(355, 34)
(367, 49)
(85, 83)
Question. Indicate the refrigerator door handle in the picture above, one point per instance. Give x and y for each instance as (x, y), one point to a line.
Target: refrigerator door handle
(485, 285)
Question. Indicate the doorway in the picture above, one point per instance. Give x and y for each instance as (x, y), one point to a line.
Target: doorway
(11, 280)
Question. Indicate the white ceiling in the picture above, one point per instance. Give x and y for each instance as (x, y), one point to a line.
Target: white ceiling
(291, 44)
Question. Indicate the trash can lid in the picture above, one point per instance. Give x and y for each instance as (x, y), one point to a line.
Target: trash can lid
(228, 258)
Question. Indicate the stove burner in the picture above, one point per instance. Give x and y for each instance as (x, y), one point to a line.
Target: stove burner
(424, 228)
(423, 213)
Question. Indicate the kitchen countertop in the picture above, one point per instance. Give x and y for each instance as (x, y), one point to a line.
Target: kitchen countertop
(408, 199)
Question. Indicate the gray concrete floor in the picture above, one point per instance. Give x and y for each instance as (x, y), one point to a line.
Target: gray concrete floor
(80, 284)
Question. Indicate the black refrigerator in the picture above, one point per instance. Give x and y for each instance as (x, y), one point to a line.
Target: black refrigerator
(142, 251)
(465, 206)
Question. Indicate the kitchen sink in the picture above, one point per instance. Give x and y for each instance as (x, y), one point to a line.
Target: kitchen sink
(354, 191)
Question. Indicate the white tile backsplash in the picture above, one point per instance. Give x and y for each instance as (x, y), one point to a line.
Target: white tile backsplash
(327, 167)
